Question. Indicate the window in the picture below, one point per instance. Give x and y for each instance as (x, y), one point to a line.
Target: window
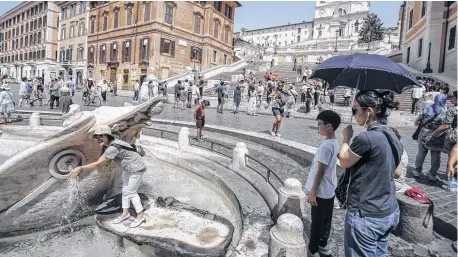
(420, 47)
(196, 54)
(103, 54)
(228, 11)
(197, 25)
(410, 18)
(72, 31)
(79, 54)
(451, 39)
(216, 30)
(82, 7)
(126, 51)
(298, 38)
(146, 14)
(298, 30)
(22, 42)
(114, 52)
(43, 53)
(64, 13)
(91, 55)
(168, 46)
(320, 32)
(423, 8)
(226, 36)
(72, 10)
(144, 48)
(129, 16)
(62, 32)
(26, 40)
(26, 28)
(218, 5)
(39, 23)
(356, 27)
(105, 22)
(115, 19)
(81, 29)
(214, 56)
(93, 25)
(39, 37)
(408, 54)
(44, 21)
(225, 59)
(168, 13)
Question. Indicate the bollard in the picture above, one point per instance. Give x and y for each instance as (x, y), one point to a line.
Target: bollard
(291, 199)
(35, 120)
(238, 156)
(183, 138)
(287, 238)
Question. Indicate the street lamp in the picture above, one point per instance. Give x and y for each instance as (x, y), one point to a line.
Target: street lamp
(337, 34)
(428, 64)
(389, 35)
(275, 45)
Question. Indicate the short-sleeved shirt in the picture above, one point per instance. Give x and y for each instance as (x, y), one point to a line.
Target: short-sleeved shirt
(327, 155)
(200, 111)
(372, 189)
(129, 161)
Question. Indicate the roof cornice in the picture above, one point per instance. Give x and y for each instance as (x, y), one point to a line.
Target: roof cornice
(18, 7)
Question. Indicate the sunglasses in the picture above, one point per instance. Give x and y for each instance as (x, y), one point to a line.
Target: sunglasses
(97, 137)
(353, 109)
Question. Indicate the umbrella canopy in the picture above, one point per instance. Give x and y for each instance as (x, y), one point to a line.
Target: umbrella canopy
(364, 72)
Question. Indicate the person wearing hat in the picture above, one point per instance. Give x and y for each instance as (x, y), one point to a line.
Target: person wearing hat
(132, 165)
(6, 103)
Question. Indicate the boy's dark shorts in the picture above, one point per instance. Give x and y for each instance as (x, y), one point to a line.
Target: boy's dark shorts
(200, 122)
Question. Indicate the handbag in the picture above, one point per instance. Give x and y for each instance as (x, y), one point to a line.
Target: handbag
(418, 130)
(343, 185)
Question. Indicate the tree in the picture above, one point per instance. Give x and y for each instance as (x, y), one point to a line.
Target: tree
(371, 29)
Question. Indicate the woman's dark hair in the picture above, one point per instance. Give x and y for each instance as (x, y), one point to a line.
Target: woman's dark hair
(110, 138)
(446, 89)
(380, 101)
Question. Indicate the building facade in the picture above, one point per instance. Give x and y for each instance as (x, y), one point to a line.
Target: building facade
(130, 40)
(72, 44)
(29, 40)
(429, 37)
(335, 28)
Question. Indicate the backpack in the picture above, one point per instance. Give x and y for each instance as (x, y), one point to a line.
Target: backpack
(138, 149)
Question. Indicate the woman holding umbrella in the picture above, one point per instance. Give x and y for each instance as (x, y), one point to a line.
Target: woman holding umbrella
(372, 158)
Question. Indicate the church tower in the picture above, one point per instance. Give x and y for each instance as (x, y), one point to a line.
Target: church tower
(339, 18)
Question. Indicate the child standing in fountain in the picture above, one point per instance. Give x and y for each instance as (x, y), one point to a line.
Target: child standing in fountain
(132, 164)
(321, 183)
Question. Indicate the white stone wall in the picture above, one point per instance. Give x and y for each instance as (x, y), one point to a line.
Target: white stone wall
(285, 34)
(451, 55)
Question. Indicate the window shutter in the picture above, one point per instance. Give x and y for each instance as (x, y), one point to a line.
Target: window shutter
(162, 46)
(172, 48)
(192, 52)
(200, 54)
(140, 50)
(123, 59)
(148, 49)
(130, 51)
(100, 54)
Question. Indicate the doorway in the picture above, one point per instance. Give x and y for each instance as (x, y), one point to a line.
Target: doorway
(113, 75)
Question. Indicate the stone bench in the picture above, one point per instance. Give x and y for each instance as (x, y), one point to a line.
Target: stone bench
(416, 220)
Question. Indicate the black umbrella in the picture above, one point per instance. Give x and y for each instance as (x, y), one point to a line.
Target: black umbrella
(364, 72)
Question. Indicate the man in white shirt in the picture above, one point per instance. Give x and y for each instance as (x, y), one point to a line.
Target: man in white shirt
(104, 90)
(22, 91)
(136, 89)
(417, 94)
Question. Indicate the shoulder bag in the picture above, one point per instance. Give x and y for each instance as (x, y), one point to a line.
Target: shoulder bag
(418, 130)
(341, 190)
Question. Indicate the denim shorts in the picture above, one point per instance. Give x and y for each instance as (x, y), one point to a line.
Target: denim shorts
(278, 111)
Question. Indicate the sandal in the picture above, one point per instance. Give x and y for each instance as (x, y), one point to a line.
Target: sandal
(120, 219)
(137, 223)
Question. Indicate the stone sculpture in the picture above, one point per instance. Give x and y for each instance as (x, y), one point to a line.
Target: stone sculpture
(33, 182)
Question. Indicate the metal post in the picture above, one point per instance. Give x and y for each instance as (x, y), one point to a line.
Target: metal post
(428, 64)
(337, 33)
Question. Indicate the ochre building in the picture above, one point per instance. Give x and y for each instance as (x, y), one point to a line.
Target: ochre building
(130, 40)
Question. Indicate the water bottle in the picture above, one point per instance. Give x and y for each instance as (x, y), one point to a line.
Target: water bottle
(452, 184)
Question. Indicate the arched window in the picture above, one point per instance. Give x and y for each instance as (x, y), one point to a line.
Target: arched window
(81, 29)
(116, 19)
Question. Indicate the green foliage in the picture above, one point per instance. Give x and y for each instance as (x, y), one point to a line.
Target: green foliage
(371, 29)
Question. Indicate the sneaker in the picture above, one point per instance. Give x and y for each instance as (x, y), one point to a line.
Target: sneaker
(120, 219)
(272, 133)
(431, 177)
(309, 254)
(416, 173)
(324, 250)
(278, 135)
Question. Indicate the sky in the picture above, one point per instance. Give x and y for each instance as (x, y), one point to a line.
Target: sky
(261, 14)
